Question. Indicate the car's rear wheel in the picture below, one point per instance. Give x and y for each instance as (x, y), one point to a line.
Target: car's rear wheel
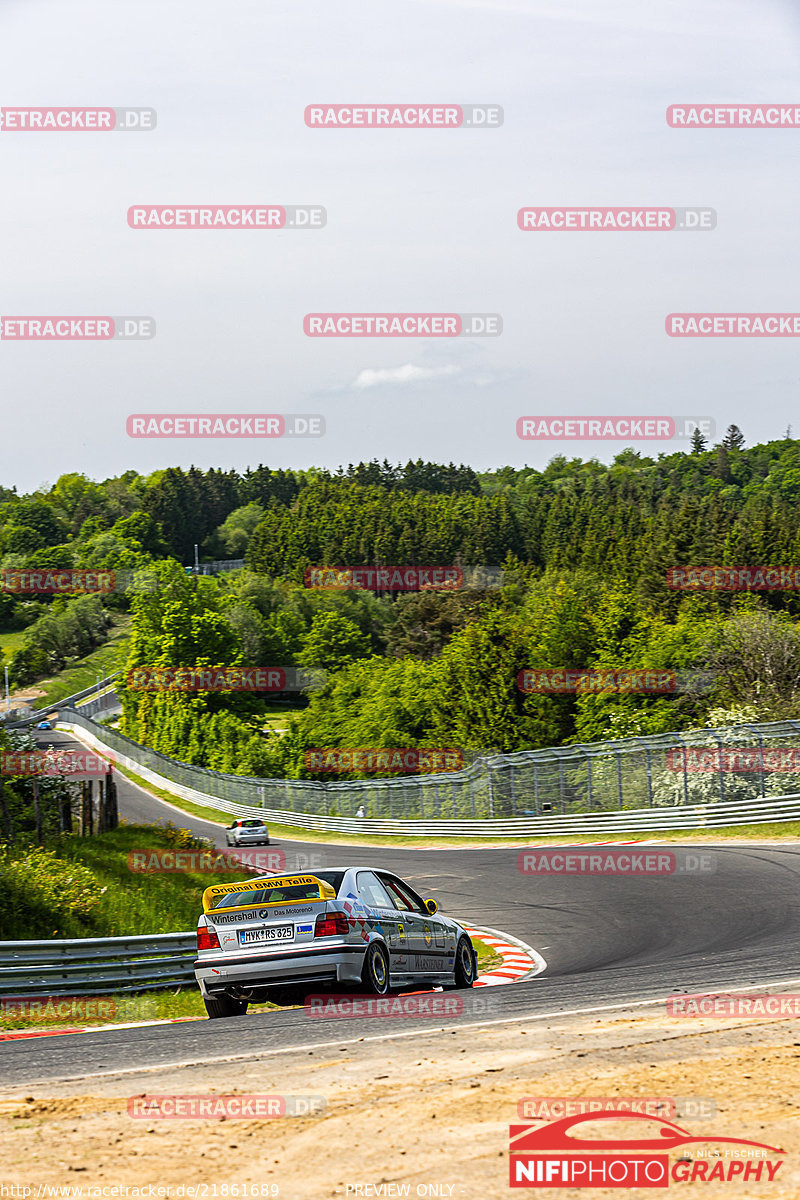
(224, 1006)
(465, 972)
(375, 971)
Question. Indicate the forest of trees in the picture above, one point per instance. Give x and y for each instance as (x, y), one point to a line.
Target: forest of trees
(584, 548)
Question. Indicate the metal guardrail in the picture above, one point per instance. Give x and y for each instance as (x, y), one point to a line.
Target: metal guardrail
(104, 702)
(230, 794)
(590, 781)
(96, 966)
(217, 567)
(67, 702)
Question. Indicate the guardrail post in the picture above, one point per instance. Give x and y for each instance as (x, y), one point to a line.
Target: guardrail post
(721, 769)
(649, 777)
(588, 778)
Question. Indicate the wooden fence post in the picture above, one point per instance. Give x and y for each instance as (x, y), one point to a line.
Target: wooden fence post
(9, 828)
(87, 822)
(65, 810)
(112, 814)
(37, 809)
(101, 806)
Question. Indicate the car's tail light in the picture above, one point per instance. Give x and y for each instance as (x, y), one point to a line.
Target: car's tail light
(207, 938)
(331, 925)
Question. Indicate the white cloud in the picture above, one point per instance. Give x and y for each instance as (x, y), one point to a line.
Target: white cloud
(408, 374)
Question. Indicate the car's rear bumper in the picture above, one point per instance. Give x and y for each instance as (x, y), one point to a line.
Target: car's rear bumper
(340, 963)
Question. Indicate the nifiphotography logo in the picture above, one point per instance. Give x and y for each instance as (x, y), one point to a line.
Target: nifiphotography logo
(552, 1156)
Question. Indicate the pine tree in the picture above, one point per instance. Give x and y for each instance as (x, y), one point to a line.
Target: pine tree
(699, 442)
(734, 438)
(722, 467)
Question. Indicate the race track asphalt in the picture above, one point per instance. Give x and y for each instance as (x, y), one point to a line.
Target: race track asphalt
(728, 917)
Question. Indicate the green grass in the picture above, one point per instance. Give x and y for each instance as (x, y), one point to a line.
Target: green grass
(126, 902)
(488, 958)
(277, 718)
(10, 642)
(83, 674)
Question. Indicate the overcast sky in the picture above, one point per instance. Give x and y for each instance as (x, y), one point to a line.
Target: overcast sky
(418, 221)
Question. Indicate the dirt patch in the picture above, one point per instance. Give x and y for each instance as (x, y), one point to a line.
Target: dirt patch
(26, 694)
(422, 1112)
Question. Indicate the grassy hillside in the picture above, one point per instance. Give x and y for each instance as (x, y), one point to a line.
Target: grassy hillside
(83, 887)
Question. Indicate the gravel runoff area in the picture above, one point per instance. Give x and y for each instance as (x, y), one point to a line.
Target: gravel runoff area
(421, 1115)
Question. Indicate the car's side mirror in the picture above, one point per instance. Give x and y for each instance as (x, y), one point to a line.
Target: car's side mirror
(431, 906)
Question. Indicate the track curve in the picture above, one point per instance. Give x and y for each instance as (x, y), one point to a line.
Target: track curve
(607, 940)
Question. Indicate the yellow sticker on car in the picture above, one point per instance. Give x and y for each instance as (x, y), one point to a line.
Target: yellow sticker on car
(282, 889)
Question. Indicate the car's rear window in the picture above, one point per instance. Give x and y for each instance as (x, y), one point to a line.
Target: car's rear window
(253, 824)
(293, 891)
(334, 878)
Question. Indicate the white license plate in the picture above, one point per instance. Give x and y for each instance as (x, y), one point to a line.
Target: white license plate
(269, 933)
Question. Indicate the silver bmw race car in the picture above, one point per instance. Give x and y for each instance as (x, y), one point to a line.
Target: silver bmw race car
(281, 937)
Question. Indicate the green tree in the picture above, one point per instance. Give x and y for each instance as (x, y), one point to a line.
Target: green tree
(699, 442)
(333, 642)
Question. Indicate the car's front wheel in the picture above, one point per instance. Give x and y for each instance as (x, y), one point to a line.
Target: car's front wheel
(375, 972)
(465, 973)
